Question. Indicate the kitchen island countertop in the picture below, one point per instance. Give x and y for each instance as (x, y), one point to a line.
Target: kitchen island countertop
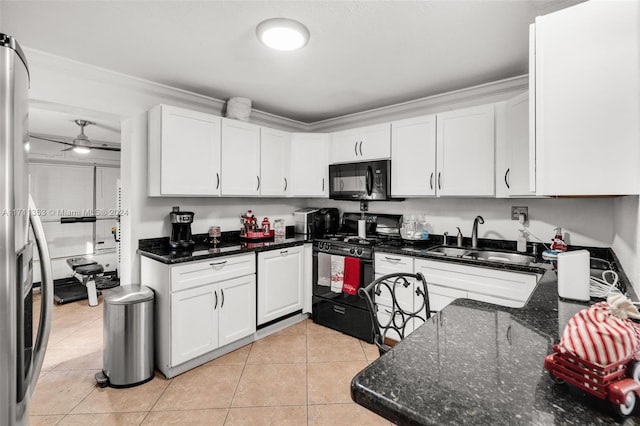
(479, 363)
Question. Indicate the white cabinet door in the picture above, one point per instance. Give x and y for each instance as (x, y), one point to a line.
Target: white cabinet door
(413, 155)
(275, 150)
(237, 311)
(361, 144)
(375, 142)
(586, 99)
(280, 279)
(309, 165)
(240, 158)
(184, 152)
(194, 322)
(466, 152)
(514, 179)
(344, 146)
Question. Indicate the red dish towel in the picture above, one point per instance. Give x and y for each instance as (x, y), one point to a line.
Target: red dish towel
(351, 275)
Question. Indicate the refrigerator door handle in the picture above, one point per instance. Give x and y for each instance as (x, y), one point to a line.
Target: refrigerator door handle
(46, 304)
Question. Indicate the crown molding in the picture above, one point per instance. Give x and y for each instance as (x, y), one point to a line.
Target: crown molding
(484, 93)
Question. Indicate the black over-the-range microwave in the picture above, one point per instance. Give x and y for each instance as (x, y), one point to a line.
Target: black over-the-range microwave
(367, 180)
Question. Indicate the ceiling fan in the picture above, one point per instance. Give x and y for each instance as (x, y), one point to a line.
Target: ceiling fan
(81, 144)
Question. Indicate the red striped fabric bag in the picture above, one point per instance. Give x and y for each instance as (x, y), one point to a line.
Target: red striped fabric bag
(602, 334)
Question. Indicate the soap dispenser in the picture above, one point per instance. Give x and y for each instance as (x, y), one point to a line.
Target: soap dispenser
(521, 242)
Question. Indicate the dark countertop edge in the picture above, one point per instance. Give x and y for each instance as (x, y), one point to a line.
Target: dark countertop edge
(535, 268)
(226, 250)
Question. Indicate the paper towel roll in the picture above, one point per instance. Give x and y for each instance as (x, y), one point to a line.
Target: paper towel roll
(362, 228)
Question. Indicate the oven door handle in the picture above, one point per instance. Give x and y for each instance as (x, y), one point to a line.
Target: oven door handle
(46, 306)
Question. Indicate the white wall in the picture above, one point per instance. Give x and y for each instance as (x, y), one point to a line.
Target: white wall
(587, 221)
(626, 238)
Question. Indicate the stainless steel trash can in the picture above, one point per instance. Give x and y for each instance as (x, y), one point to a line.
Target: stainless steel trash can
(128, 337)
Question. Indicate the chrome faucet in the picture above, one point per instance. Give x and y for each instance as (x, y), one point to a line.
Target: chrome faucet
(444, 237)
(474, 232)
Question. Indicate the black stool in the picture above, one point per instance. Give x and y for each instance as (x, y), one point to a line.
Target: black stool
(88, 269)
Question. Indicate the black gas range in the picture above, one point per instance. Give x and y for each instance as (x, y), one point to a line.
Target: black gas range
(338, 310)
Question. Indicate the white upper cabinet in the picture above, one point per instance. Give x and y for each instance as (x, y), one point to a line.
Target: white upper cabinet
(275, 151)
(184, 152)
(240, 158)
(361, 144)
(512, 147)
(466, 152)
(413, 153)
(309, 165)
(584, 75)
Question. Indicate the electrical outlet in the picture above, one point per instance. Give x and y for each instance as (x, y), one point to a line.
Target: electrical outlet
(516, 211)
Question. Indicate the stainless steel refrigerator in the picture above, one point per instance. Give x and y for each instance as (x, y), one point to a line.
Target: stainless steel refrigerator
(21, 354)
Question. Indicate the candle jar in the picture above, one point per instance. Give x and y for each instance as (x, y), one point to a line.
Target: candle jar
(278, 228)
(214, 234)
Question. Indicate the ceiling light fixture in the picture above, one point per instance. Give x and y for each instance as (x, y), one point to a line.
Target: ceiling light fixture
(81, 149)
(282, 34)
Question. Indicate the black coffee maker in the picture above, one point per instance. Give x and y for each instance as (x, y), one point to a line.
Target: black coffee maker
(181, 229)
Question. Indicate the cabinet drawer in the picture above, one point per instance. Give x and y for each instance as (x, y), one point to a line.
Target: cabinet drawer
(212, 270)
(388, 263)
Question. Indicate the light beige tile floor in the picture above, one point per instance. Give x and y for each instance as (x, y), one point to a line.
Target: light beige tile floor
(298, 376)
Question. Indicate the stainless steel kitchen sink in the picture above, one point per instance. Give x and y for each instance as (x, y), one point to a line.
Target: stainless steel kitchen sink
(483, 254)
(449, 251)
(499, 256)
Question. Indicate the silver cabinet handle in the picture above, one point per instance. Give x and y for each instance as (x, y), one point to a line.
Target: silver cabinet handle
(46, 306)
(283, 252)
(509, 335)
(286, 184)
(339, 309)
(322, 184)
(360, 148)
(215, 306)
(431, 181)
(392, 259)
(258, 187)
(439, 182)
(506, 178)
(218, 263)
(222, 293)
(218, 180)
(355, 147)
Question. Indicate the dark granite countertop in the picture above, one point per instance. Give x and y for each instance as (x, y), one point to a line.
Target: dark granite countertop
(158, 248)
(479, 363)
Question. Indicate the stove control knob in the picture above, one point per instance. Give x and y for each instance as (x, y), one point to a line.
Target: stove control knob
(352, 250)
(359, 251)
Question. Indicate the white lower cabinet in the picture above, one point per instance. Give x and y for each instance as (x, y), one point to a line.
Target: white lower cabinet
(235, 322)
(200, 307)
(454, 280)
(190, 307)
(280, 283)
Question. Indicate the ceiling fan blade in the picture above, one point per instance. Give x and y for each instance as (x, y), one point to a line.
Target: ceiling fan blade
(106, 148)
(51, 140)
